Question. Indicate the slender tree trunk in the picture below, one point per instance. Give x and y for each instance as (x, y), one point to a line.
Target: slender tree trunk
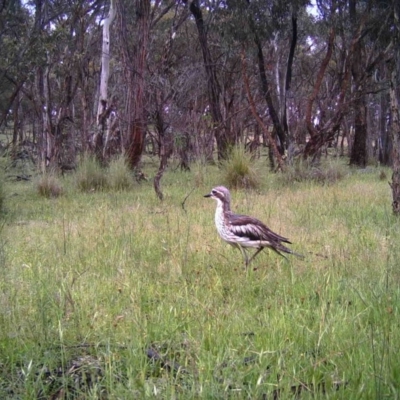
(384, 139)
(222, 136)
(288, 81)
(272, 143)
(104, 107)
(358, 154)
(394, 108)
(85, 116)
(316, 138)
(165, 151)
(12, 98)
(16, 128)
(137, 125)
(267, 95)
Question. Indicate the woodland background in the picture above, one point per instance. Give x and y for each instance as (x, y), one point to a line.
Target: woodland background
(190, 79)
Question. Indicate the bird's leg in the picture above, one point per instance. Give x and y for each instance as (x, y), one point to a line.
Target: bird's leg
(254, 255)
(244, 254)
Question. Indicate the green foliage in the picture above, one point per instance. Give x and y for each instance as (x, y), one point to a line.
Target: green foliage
(119, 175)
(48, 185)
(90, 175)
(238, 169)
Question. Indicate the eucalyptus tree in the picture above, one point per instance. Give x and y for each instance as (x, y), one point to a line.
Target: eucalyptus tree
(369, 51)
(222, 134)
(355, 48)
(104, 107)
(16, 44)
(267, 35)
(394, 65)
(63, 34)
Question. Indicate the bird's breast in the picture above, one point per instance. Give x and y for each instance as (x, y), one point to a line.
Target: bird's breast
(220, 220)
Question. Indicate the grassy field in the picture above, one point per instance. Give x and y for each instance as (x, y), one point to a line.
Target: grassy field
(117, 295)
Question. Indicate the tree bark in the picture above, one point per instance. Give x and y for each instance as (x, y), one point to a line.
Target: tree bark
(136, 110)
(288, 79)
(384, 138)
(316, 138)
(358, 155)
(272, 143)
(104, 107)
(394, 65)
(222, 137)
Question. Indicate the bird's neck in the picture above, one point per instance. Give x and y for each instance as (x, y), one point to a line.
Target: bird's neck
(222, 209)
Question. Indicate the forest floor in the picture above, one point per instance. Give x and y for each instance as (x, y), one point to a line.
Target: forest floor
(116, 295)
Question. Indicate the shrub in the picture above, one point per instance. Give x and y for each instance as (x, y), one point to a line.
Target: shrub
(90, 175)
(49, 186)
(239, 170)
(119, 175)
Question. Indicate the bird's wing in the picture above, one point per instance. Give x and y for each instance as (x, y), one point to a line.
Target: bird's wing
(252, 228)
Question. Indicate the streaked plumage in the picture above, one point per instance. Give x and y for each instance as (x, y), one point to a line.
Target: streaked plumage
(243, 231)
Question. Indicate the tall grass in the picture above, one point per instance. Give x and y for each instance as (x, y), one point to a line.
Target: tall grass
(115, 295)
(238, 169)
(119, 175)
(48, 185)
(90, 176)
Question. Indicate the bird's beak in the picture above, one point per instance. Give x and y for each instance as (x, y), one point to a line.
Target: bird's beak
(207, 195)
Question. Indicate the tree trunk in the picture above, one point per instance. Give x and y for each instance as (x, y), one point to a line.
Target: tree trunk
(316, 138)
(137, 125)
(165, 146)
(358, 154)
(272, 143)
(394, 65)
(104, 107)
(288, 81)
(268, 98)
(222, 137)
(384, 139)
(16, 129)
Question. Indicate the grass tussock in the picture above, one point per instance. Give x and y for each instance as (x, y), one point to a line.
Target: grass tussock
(239, 170)
(90, 175)
(119, 176)
(48, 185)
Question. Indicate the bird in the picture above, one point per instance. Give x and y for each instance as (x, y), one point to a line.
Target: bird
(243, 231)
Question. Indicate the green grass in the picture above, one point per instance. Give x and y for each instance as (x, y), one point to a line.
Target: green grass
(91, 282)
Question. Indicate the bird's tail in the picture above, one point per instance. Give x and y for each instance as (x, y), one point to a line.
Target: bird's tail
(284, 249)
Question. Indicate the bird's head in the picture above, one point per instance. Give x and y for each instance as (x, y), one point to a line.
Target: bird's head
(221, 194)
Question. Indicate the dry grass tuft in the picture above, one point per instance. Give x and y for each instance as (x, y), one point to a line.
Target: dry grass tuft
(239, 171)
(49, 186)
(118, 175)
(90, 176)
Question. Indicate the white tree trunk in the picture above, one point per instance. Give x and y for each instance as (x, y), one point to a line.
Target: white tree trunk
(103, 106)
